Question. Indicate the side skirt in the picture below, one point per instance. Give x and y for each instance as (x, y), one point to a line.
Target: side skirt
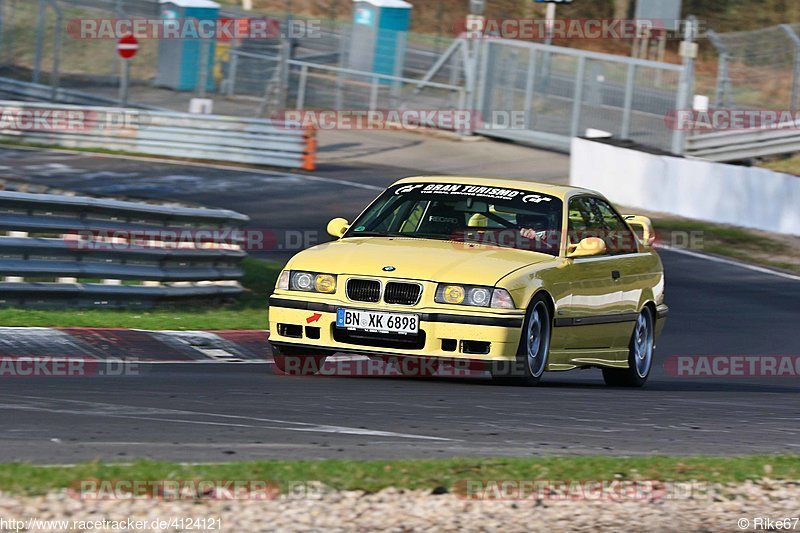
(571, 359)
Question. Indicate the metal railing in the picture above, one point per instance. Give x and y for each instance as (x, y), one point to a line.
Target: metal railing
(171, 134)
(561, 92)
(58, 250)
(37, 92)
(741, 145)
(318, 86)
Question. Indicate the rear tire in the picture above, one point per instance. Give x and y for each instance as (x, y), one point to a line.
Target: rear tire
(297, 361)
(533, 351)
(640, 355)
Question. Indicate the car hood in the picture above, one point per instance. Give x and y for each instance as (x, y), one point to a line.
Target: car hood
(418, 259)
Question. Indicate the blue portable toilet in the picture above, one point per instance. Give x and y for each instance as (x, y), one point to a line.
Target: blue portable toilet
(380, 34)
(179, 58)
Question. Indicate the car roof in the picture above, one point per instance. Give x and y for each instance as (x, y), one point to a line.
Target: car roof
(559, 191)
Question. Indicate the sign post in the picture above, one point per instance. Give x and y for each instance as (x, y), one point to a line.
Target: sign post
(550, 17)
(127, 46)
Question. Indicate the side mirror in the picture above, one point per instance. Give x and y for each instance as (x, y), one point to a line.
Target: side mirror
(588, 247)
(648, 234)
(337, 227)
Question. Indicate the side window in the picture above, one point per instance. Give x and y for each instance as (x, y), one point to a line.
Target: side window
(581, 223)
(592, 217)
(619, 238)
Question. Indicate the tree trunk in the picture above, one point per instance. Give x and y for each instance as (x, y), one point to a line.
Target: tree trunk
(622, 9)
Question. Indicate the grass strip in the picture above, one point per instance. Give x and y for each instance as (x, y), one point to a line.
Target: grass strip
(372, 476)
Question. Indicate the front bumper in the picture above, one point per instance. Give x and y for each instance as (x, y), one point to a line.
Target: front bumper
(475, 336)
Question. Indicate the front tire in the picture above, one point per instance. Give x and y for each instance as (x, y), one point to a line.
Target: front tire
(533, 351)
(297, 361)
(640, 355)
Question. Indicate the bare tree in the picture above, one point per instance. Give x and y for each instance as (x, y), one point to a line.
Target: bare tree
(622, 9)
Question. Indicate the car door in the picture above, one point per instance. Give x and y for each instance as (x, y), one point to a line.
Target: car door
(591, 313)
(635, 266)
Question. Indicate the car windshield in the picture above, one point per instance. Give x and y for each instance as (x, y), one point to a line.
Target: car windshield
(495, 216)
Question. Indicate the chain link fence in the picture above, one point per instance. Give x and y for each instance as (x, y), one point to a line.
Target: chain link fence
(758, 69)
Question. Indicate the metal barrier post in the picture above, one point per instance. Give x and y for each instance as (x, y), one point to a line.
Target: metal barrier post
(479, 100)
(339, 75)
(796, 67)
(230, 88)
(399, 63)
(203, 68)
(577, 102)
(686, 82)
(529, 85)
(2, 25)
(373, 94)
(723, 96)
(124, 83)
(301, 87)
(283, 80)
(471, 65)
(55, 76)
(9, 54)
(627, 111)
(37, 61)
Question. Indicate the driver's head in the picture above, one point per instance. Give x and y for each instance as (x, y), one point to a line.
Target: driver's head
(533, 221)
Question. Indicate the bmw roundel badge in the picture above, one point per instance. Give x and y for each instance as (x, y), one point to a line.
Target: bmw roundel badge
(389, 268)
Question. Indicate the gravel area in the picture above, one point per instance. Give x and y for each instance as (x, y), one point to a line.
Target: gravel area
(403, 510)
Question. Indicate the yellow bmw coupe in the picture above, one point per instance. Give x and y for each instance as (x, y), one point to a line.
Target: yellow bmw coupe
(518, 277)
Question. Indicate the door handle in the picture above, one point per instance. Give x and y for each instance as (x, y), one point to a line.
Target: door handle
(615, 274)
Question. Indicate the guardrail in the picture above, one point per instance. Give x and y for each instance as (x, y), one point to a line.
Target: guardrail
(66, 251)
(739, 145)
(162, 133)
(37, 92)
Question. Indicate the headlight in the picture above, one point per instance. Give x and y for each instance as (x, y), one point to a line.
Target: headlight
(474, 296)
(325, 283)
(311, 282)
(283, 281)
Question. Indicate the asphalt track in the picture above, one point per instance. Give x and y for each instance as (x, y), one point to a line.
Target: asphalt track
(221, 412)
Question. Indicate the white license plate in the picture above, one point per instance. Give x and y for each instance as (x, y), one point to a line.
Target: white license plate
(377, 321)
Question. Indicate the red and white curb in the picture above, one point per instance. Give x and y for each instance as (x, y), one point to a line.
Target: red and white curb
(183, 347)
(235, 346)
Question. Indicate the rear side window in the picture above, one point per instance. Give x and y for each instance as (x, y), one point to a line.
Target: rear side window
(593, 217)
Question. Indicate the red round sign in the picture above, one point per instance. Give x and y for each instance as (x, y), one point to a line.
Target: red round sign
(127, 46)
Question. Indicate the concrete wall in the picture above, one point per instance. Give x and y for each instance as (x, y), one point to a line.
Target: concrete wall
(715, 192)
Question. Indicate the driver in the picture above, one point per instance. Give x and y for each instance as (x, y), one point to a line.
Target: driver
(536, 228)
(532, 226)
